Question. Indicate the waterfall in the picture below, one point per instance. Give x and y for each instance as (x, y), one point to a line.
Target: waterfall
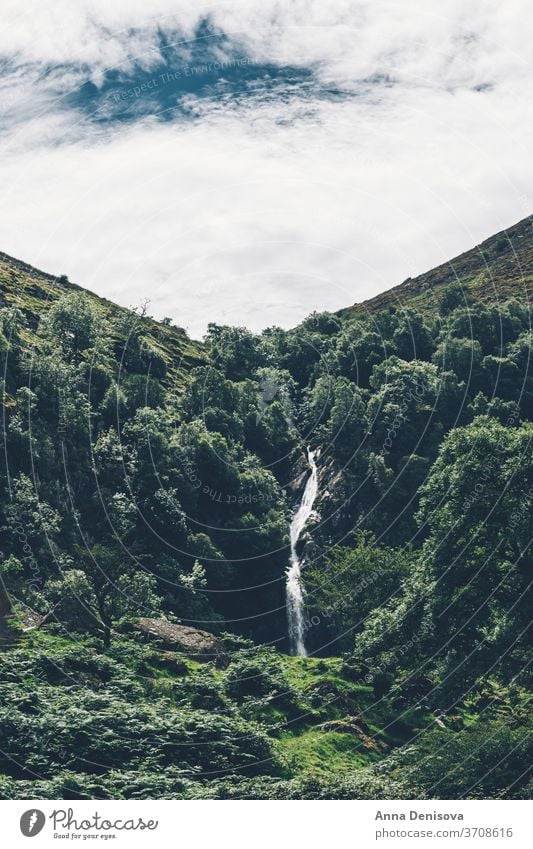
(294, 590)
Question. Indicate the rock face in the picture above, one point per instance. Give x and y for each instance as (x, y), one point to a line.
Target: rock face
(356, 726)
(199, 645)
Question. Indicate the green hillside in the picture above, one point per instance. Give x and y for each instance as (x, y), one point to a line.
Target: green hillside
(33, 291)
(147, 488)
(499, 268)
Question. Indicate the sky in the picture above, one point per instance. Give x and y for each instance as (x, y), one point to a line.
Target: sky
(250, 161)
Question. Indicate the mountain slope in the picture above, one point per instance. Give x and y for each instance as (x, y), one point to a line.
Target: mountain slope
(496, 269)
(33, 291)
(124, 501)
(500, 267)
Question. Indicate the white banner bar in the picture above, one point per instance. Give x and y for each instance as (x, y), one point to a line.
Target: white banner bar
(264, 825)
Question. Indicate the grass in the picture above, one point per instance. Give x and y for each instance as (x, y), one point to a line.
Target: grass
(498, 269)
(324, 752)
(33, 291)
(325, 697)
(298, 722)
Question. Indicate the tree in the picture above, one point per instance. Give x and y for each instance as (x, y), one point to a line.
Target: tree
(477, 323)
(351, 583)
(453, 296)
(347, 423)
(110, 584)
(400, 411)
(75, 324)
(476, 506)
(412, 338)
(462, 356)
(486, 760)
(359, 349)
(234, 351)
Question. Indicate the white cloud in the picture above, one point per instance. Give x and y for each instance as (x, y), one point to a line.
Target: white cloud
(357, 38)
(349, 40)
(259, 211)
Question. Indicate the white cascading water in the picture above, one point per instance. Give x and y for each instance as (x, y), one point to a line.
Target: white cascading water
(294, 590)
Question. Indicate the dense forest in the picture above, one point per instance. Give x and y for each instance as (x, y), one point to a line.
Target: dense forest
(147, 488)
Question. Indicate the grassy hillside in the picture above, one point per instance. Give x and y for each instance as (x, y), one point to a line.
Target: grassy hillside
(33, 291)
(499, 268)
(141, 722)
(144, 545)
(294, 719)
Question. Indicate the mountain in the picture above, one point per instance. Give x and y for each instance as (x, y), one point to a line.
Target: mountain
(500, 267)
(34, 291)
(149, 489)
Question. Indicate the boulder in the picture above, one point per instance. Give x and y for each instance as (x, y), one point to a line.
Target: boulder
(196, 644)
(356, 726)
